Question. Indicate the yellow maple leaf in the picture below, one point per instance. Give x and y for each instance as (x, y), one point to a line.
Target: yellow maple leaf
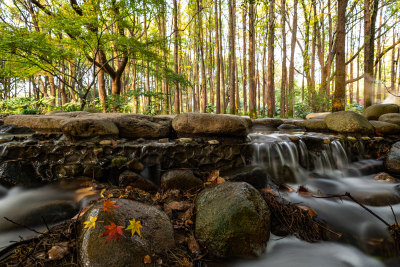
(102, 192)
(91, 223)
(134, 226)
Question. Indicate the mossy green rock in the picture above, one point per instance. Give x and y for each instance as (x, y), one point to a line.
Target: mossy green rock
(156, 235)
(232, 220)
(118, 161)
(348, 122)
(375, 111)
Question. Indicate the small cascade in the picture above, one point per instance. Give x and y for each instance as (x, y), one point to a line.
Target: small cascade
(287, 158)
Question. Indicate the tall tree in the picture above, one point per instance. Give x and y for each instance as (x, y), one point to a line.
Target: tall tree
(339, 98)
(370, 14)
(284, 70)
(271, 38)
(291, 67)
(252, 59)
(232, 57)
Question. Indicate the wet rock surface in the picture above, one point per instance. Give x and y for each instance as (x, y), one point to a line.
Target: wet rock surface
(392, 161)
(254, 175)
(232, 220)
(180, 179)
(156, 235)
(348, 122)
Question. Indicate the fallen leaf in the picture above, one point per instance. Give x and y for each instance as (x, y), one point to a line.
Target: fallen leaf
(193, 245)
(109, 205)
(304, 191)
(58, 252)
(113, 231)
(147, 259)
(134, 226)
(102, 192)
(285, 187)
(311, 212)
(214, 178)
(91, 223)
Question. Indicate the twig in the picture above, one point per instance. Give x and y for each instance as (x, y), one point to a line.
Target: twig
(27, 227)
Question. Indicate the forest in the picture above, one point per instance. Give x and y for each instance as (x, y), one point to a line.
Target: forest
(257, 58)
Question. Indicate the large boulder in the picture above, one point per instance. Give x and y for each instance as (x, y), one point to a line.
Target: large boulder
(392, 160)
(83, 128)
(391, 118)
(211, 124)
(156, 235)
(232, 220)
(41, 123)
(385, 128)
(375, 111)
(348, 122)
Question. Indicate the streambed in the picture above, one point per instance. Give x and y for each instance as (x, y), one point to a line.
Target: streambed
(331, 168)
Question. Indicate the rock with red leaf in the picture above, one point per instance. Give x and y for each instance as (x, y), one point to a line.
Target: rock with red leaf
(110, 243)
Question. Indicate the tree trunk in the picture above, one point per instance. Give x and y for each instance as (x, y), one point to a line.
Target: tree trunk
(271, 85)
(291, 67)
(339, 98)
(217, 60)
(370, 12)
(176, 67)
(252, 65)
(284, 70)
(232, 81)
(244, 71)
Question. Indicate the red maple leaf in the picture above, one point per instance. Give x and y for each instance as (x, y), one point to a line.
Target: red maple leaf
(109, 205)
(113, 231)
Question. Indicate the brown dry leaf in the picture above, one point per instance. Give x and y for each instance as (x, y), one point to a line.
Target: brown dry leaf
(214, 178)
(58, 252)
(114, 143)
(311, 212)
(177, 205)
(285, 187)
(147, 259)
(220, 180)
(304, 191)
(193, 245)
(81, 213)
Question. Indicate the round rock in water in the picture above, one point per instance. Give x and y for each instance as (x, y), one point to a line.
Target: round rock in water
(232, 220)
(348, 122)
(392, 161)
(156, 235)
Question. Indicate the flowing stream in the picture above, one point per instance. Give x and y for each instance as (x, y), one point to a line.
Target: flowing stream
(324, 165)
(326, 169)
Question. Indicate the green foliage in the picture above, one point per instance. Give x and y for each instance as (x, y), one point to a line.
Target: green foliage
(300, 110)
(355, 107)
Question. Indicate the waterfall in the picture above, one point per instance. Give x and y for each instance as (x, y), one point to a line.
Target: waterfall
(288, 159)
